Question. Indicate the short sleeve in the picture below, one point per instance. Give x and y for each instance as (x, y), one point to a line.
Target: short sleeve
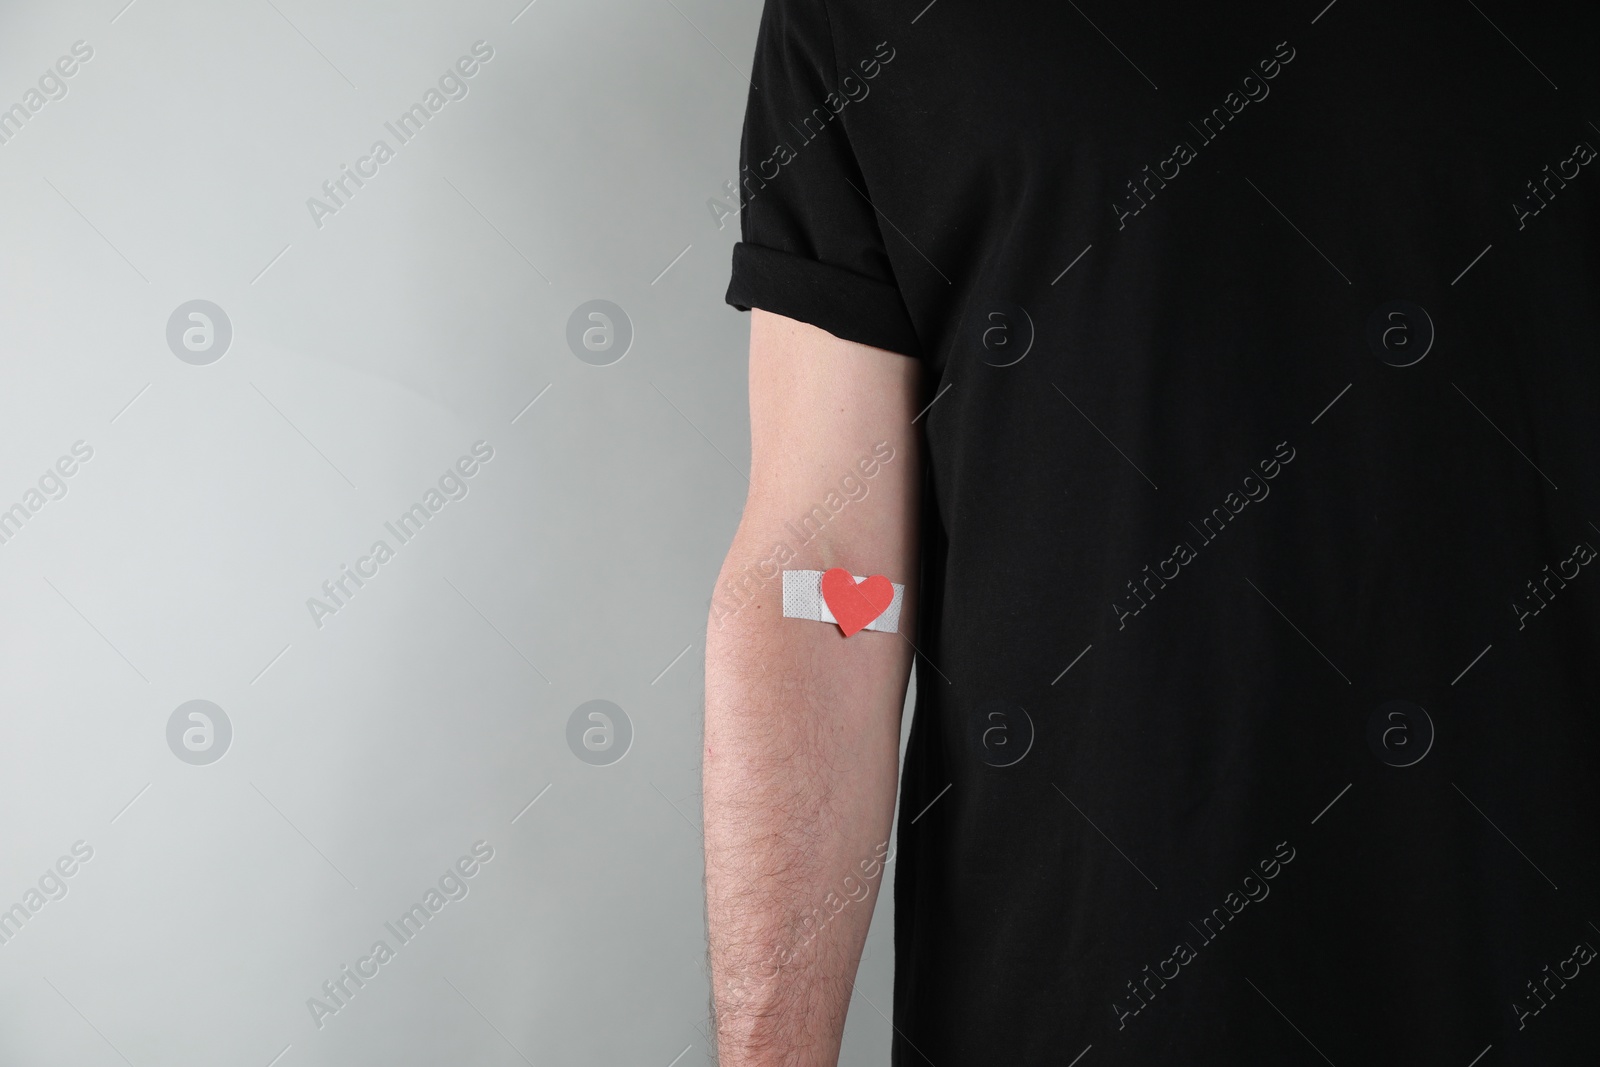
(811, 246)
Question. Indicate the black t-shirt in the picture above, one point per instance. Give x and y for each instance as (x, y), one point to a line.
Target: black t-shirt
(1257, 722)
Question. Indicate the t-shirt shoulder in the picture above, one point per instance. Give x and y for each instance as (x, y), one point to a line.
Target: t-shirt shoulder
(810, 246)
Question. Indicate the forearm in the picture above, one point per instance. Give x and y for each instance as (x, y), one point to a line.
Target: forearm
(801, 753)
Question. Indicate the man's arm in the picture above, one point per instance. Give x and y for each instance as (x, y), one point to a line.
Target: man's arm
(802, 725)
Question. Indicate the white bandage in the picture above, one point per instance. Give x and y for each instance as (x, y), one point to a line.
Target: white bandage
(802, 599)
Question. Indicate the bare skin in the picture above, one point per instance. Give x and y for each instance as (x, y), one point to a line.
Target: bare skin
(802, 725)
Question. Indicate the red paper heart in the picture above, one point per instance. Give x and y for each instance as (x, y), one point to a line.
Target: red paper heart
(854, 605)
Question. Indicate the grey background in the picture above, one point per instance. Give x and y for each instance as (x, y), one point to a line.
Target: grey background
(367, 355)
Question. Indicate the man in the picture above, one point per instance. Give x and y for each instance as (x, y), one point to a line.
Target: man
(1239, 365)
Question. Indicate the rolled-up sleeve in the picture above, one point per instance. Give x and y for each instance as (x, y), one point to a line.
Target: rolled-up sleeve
(811, 246)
